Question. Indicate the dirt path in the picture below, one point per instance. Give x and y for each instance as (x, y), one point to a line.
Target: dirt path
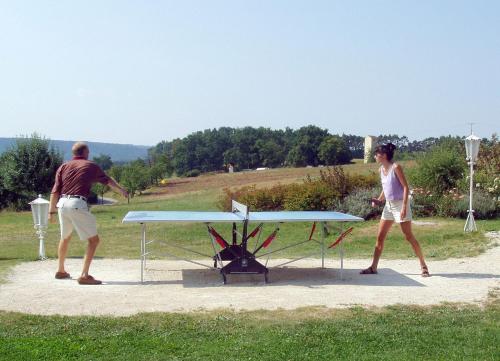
(177, 286)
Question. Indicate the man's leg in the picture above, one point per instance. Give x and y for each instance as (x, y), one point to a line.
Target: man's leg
(89, 255)
(61, 253)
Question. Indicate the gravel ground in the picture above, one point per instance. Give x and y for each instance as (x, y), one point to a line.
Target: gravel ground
(177, 286)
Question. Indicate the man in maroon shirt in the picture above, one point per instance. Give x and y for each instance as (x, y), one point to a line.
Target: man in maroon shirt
(69, 194)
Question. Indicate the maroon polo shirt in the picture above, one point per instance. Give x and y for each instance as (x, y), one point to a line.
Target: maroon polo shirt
(76, 177)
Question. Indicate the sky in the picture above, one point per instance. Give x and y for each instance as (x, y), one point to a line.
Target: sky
(140, 72)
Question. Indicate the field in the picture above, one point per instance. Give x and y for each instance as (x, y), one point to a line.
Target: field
(391, 333)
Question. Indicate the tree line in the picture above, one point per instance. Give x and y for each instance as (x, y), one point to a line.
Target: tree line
(29, 166)
(250, 148)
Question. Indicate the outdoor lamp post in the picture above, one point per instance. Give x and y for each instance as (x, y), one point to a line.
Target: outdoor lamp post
(40, 211)
(472, 149)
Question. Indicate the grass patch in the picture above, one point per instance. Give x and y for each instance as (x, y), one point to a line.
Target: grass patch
(447, 332)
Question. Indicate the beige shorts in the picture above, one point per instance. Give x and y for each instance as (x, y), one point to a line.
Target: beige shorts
(392, 211)
(74, 214)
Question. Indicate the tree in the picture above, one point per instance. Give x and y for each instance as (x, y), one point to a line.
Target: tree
(161, 168)
(100, 189)
(104, 161)
(333, 151)
(116, 172)
(356, 145)
(28, 169)
(271, 154)
(234, 156)
(305, 151)
(135, 177)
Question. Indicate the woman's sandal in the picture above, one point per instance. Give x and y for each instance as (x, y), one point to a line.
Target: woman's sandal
(425, 272)
(368, 271)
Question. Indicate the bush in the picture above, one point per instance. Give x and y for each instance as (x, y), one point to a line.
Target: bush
(262, 199)
(323, 193)
(192, 173)
(342, 183)
(311, 196)
(440, 169)
(423, 203)
(484, 205)
(358, 204)
(488, 167)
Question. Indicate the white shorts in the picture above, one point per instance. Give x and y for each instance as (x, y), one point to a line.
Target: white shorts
(74, 214)
(392, 211)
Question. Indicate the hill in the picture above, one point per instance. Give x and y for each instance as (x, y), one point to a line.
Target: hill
(117, 152)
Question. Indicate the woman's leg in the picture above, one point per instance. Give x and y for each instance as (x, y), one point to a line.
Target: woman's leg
(406, 228)
(383, 228)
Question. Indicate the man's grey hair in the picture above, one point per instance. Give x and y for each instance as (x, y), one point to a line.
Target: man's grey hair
(79, 148)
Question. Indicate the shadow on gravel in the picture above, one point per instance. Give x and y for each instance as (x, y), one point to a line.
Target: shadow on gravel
(303, 277)
(466, 275)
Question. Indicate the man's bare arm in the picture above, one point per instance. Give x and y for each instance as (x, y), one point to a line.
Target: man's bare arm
(118, 188)
(54, 197)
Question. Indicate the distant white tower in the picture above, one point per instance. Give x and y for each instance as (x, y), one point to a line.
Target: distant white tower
(370, 142)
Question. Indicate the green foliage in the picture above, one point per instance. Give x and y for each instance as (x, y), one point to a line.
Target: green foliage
(424, 204)
(441, 177)
(322, 193)
(160, 167)
(306, 149)
(440, 169)
(262, 199)
(333, 150)
(250, 148)
(98, 189)
(454, 204)
(135, 177)
(484, 205)
(358, 203)
(344, 183)
(488, 166)
(311, 195)
(116, 172)
(27, 169)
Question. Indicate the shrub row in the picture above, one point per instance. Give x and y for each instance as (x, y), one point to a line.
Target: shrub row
(333, 190)
(485, 206)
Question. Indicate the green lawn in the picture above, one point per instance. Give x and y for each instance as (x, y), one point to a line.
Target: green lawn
(447, 332)
(19, 242)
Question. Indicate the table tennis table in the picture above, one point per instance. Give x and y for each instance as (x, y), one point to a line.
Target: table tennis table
(235, 257)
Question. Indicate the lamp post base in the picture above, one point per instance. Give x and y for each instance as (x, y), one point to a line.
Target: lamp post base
(470, 224)
(41, 249)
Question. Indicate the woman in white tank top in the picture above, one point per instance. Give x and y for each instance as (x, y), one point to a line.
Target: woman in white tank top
(397, 208)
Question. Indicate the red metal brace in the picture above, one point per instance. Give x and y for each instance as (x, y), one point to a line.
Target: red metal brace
(268, 241)
(218, 238)
(312, 231)
(341, 237)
